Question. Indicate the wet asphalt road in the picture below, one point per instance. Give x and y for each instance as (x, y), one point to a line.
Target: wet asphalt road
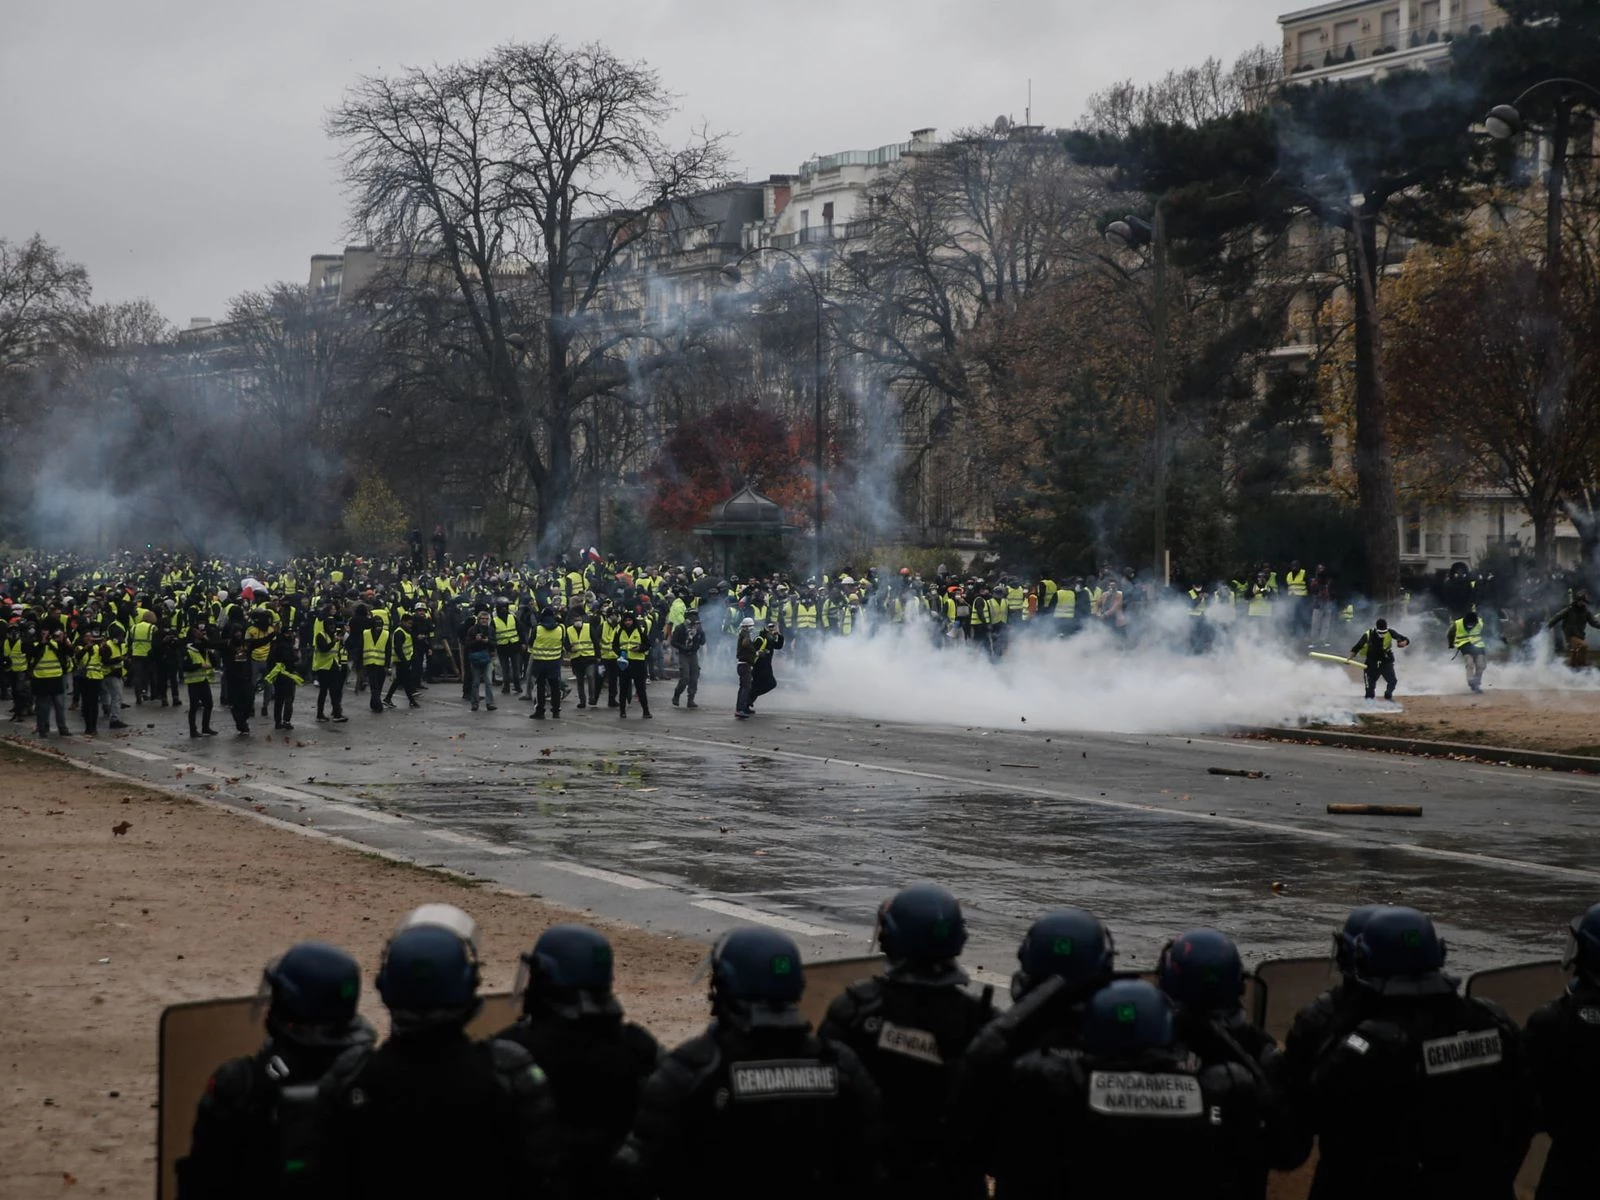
(694, 822)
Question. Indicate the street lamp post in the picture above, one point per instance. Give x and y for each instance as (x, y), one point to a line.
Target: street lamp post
(732, 273)
(1130, 232)
(1504, 121)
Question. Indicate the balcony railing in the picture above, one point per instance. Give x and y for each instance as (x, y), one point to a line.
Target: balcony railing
(1376, 46)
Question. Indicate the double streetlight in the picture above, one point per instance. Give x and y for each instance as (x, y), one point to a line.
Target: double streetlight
(732, 273)
(1129, 233)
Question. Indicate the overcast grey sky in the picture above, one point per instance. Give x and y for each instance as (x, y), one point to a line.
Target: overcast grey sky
(177, 150)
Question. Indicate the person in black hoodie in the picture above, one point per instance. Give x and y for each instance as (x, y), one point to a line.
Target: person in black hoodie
(283, 662)
(595, 1061)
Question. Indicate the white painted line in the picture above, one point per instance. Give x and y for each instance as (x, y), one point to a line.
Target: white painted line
(632, 882)
(197, 769)
(146, 755)
(286, 793)
(460, 839)
(366, 814)
(1276, 827)
(744, 912)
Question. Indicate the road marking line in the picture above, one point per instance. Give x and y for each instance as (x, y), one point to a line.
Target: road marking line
(366, 814)
(1308, 832)
(197, 769)
(632, 882)
(462, 839)
(744, 912)
(286, 793)
(146, 755)
(827, 889)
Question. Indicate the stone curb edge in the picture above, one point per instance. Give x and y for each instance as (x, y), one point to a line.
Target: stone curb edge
(1501, 755)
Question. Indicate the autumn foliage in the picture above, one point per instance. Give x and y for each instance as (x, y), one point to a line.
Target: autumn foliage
(706, 460)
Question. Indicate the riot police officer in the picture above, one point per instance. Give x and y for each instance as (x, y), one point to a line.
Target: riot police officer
(1563, 1041)
(1420, 1092)
(431, 1112)
(910, 1026)
(1317, 1023)
(1201, 973)
(253, 1132)
(1129, 1112)
(1065, 958)
(757, 1105)
(595, 1061)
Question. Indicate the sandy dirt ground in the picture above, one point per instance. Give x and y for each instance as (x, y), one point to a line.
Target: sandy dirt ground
(189, 903)
(1564, 722)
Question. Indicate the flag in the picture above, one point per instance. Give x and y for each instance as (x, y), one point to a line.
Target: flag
(592, 554)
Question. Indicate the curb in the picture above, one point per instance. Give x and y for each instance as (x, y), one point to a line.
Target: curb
(1500, 755)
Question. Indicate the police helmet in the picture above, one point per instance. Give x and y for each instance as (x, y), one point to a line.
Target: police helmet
(1201, 970)
(569, 972)
(311, 992)
(756, 979)
(1071, 944)
(429, 978)
(1125, 1018)
(1582, 958)
(1344, 940)
(922, 924)
(1399, 953)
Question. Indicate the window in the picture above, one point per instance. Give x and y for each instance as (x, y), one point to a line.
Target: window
(1430, 17)
(1390, 22)
(1306, 43)
(1458, 545)
(805, 218)
(1345, 34)
(1413, 536)
(1432, 544)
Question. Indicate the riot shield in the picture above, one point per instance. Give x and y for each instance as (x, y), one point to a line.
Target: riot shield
(1519, 990)
(1286, 985)
(826, 980)
(197, 1038)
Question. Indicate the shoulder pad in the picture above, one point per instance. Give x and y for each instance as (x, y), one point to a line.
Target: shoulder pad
(233, 1083)
(641, 1042)
(514, 1067)
(341, 1077)
(695, 1059)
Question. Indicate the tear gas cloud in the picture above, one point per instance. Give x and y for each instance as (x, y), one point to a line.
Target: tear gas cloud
(1097, 682)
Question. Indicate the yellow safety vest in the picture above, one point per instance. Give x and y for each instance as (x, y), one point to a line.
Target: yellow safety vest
(1464, 639)
(1296, 581)
(404, 643)
(548, 643)
(1066, 607)
(197, 667)
(16, 656)
(582, 640)
(259, 654)
(95, 663)
(631, 643)
(505, 631)
(50, 664)
(608, 647)
(1016, 599)
(144, 634)
(373, 649)
(805, 616)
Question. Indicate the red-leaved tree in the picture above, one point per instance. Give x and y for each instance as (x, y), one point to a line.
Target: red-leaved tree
(707, 459)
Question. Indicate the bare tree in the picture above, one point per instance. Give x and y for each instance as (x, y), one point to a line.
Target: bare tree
(1189, 96)
(520, 178)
